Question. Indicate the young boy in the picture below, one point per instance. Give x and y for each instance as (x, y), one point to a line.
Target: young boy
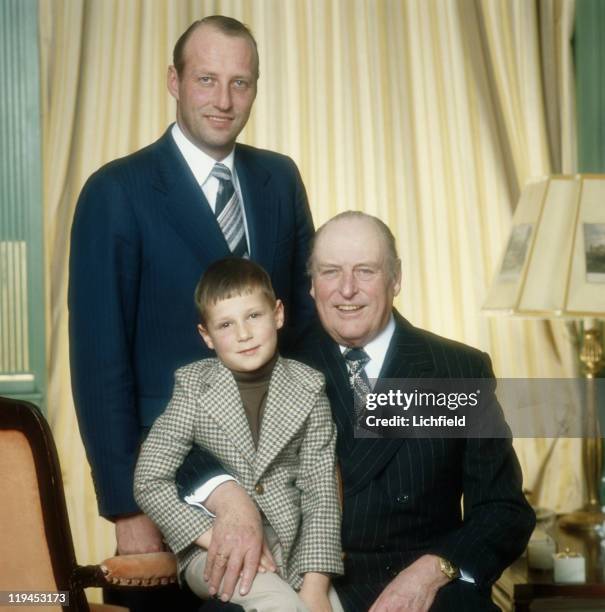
(268, 421)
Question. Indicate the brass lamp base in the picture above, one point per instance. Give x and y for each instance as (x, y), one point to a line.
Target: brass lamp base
(582, 520)
(590, 517)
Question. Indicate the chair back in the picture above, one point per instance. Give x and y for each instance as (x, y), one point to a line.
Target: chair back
(36, 547)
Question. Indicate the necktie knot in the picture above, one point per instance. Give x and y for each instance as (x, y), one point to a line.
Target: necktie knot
(221, 172)
(356, 358)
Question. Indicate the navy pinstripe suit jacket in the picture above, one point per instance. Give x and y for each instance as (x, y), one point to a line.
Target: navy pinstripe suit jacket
(402, 498)
(142, 236)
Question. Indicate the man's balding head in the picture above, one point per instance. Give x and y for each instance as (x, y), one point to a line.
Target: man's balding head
(355, 275)
(222, 23)
(392, 260)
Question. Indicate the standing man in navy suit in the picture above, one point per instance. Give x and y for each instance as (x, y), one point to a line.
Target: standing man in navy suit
(408, 544)
(145, 228)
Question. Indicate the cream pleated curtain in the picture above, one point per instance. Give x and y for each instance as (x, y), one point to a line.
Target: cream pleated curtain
(431, 114)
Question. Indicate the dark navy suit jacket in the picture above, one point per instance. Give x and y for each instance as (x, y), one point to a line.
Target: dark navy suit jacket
(402, 497)
(143, 233)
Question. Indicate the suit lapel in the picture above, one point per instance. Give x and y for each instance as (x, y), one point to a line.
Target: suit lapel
(331, 363)
(223, 403)
(259, 205)
(408, 355)
(285, 411)
(184, 204)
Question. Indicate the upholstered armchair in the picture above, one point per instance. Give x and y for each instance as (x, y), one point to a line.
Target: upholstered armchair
(36, 547)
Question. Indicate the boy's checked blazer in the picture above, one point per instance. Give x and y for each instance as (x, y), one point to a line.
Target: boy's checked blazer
(291, 475)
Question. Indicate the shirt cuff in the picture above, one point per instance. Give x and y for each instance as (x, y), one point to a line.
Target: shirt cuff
(466, 577)
(201, 494)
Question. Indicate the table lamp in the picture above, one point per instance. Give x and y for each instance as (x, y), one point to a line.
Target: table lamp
(554, 267)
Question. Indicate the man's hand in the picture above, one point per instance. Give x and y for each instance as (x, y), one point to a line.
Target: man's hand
(138, 534)
(265, 564)
(237, 540)
(414, 589)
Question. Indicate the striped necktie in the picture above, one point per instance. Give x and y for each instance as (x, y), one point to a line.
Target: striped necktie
(228, 212)
(356, 359)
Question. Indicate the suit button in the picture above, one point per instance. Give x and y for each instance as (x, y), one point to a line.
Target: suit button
(402, 498)
(259, 489)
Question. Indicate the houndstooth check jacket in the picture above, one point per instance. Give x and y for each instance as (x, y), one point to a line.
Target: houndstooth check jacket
(294, 462)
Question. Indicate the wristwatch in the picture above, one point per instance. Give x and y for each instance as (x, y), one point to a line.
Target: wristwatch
(448, 568)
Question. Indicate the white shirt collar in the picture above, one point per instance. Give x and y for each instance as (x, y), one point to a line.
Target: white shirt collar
(201, 163)
(377, 349)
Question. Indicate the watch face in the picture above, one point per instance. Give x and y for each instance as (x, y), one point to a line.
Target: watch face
(450, 570)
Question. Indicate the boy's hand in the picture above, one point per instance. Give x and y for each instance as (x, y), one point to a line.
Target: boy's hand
(204, 540)
(314, 592)
(314, 600)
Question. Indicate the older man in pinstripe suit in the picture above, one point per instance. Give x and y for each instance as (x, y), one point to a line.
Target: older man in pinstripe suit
(408, 544)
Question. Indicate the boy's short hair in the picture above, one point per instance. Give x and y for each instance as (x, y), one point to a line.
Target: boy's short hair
(231, 277)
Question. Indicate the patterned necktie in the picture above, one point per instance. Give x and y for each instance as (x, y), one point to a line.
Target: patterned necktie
(228, 212)
(356, 360)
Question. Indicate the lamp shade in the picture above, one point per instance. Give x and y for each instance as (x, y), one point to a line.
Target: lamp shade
(554, 262)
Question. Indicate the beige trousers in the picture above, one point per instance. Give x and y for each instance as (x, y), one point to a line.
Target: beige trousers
(269, 591)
